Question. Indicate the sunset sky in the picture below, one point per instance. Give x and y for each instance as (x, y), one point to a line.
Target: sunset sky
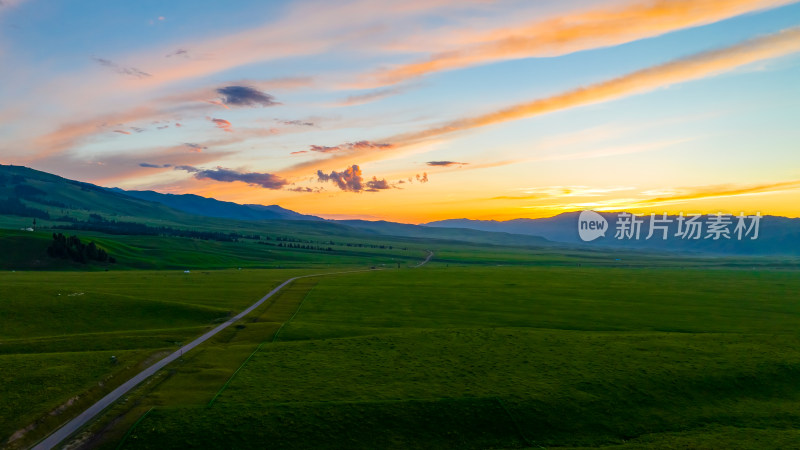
(413, 110)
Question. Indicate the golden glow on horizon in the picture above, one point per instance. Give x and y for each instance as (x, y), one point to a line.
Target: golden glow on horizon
(410, 207)
(513, 110)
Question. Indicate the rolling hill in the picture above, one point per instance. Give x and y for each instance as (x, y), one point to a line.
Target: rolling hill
(54, 201)
(210, 207)
(26, 194)
(777, 235)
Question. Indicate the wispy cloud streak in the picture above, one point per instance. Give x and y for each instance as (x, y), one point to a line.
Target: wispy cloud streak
(695, 67)
(578, 31)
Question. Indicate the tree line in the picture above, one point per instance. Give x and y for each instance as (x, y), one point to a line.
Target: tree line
(99, 223)
(72, 248)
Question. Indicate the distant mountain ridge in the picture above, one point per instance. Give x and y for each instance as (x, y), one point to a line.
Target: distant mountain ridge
(560, 228)
(28, 193)
(452, 233)
(777, 235)
(210, 207)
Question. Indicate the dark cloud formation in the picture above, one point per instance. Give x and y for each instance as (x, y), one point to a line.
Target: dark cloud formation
(299, 152)
(137, 129)
(304, 189)
(179, 52)
(189, 169)
(297, 123)
(423, 178)
(358, 145)
(375, 184)
(351, 180)
(122, 132)
(195, 147)
(445, 163)
(348, 180)
(265, 180)
(323, 149)
(155, 166)
(245, 96)
(363, 145)
(124, 70)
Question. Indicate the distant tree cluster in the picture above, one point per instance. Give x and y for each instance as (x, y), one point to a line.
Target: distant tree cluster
(362, 245)
(344, 244)
(325, 246)
(72, 248)
(14, 207)
(302, 246)
(98, 223)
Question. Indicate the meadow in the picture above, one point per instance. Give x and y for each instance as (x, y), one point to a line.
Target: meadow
(28, 251)
(491, 357)
(60, 329)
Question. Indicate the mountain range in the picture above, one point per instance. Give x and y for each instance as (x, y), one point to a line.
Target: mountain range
(776, 235)
(210, 207)
(26, 192)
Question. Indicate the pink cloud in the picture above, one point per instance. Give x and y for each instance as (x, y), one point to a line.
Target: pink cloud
(223, 124)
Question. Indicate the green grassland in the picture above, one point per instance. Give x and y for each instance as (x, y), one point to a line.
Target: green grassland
(28, 251)
(59, 330)
(25, 250)
(493, 357)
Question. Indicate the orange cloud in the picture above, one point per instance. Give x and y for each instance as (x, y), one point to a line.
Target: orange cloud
(698, 66)
(695, 67)
(171, 107)
(223, 124)
(649, 199)
(70, 134)
(373, 95)
(122, 168)
(218, 103)
(580, 31)
(726, 190)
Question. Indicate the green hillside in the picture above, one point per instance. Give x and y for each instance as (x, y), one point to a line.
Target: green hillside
(59, 199)
(55, 202)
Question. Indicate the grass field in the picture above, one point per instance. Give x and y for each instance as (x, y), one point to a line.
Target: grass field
(28, 251)
(59, 330)
(493, 357)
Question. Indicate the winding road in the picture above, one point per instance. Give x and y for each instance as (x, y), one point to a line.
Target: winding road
(428, 258)
(90, 413)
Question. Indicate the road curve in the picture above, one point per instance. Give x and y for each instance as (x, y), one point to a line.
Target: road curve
(90, 413)
(428, 258)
